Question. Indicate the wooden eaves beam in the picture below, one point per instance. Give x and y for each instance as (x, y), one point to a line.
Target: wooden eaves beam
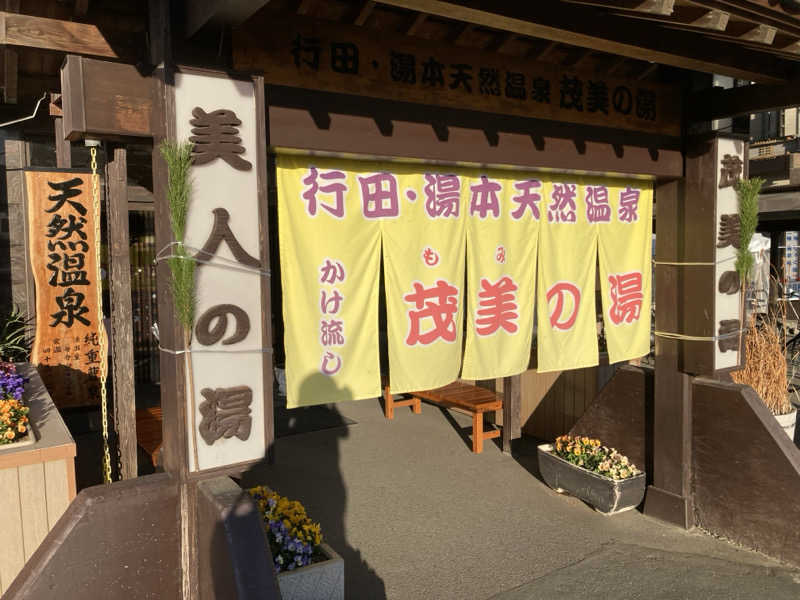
(199, 13)
(654, 7)
(364, 12)
(54, 34)
(718, 103)
(599, 31)
(418, 21)
(767, 13)
(685, 17)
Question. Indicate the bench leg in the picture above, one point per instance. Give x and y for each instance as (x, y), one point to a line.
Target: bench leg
(417, 406)
(388, 403)
(477, 433)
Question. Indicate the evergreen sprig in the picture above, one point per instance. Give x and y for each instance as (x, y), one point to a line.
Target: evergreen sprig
(178, 157)
(748, 191)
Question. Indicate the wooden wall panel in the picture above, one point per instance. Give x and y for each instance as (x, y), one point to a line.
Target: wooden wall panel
(32, 498)
(12, 553)
(33, 502)
(621, 415)
(553, 402)
(752, 499)
(57, 490)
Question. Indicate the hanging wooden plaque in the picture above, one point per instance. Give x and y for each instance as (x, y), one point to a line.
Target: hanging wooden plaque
(61, 246)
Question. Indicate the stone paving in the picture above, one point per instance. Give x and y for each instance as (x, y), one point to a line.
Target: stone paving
(416, 515)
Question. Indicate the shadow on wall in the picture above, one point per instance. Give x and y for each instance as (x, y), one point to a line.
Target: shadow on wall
(307, 469)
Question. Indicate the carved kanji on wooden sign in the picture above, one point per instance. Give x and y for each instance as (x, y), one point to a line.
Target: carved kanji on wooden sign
(729, 231)
(216, 136)
(730, 329)
(208, 335)
(226, 413)
(221, 232)
(731, 170)
(729, 283)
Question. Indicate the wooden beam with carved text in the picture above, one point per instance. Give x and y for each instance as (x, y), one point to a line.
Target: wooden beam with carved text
(301, 52)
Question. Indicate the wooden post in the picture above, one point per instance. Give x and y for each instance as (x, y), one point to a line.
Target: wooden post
(266, 282)
(10, 63)
(63, 146)
(668, 498)
(173, 377)
(22, 290)
(512, 405)
(121, 310)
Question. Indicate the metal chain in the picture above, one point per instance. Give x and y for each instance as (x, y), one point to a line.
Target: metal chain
(103, 339)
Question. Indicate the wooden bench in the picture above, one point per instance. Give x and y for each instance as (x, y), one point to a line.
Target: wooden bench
(149, 434)
(472, 399)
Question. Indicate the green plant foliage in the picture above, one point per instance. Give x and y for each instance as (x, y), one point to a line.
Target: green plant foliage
(178, 157)
(14, 338)
(748, 191)
(179, 187)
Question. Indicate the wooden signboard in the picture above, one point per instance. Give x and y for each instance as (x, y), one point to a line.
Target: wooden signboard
(711, 286)
(61, 245)
(305, 53)
(229, 386)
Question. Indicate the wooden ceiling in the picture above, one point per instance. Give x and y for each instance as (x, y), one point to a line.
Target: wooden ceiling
(756, 40)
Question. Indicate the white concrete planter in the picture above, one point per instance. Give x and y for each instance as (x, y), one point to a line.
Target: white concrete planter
(27, 440)
(319, 581)
(788, 422)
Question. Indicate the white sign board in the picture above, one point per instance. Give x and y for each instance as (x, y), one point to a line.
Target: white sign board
(225, 416)
(727, 302)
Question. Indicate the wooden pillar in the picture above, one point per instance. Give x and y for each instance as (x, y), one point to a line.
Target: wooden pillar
(10, 62)
(22, 290)
(512, 405)
(266, 282)
(121, 309)
(63, 146)
(174, 451)
(669, 498)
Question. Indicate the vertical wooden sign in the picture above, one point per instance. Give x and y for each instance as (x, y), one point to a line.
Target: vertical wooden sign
(710, 315)
(61, 245)
(730, 157)
(229, 385)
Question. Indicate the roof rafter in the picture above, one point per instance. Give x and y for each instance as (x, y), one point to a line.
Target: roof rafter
(655, 7)
(689, 17)
(582, 27)
(364, 12)
(760, 14)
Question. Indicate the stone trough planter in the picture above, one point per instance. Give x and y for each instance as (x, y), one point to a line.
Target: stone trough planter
(605, 495)
(319, 581)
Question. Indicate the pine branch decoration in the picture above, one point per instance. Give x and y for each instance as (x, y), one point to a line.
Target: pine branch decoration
(178, 157)
(748, 191)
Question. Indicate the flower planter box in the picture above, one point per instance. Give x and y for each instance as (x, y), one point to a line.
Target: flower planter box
(607, 496)
(28, 440)
(318, 581)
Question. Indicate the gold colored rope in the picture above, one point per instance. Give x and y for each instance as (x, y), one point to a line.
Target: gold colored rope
(103, 338)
